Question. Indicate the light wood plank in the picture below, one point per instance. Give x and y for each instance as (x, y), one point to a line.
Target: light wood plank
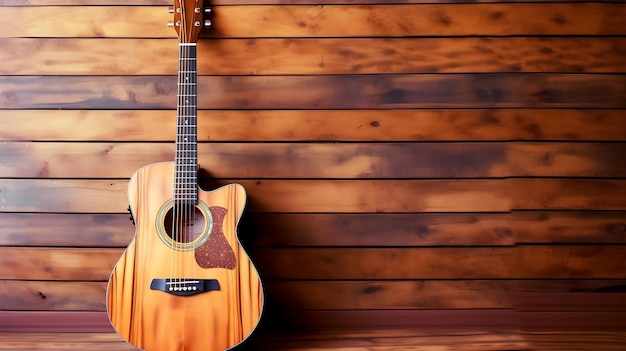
(52, 56)
(283, 160)
(324, 125)
(324, 21)
(329, 161)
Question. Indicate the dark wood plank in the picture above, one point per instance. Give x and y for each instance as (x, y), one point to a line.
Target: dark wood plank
(363, 230)
(568, 302)
(524, 295)
(569, 227)
(496, 320)
(307, 125)
(378, 230)
(567, 194)
(109, 196)
(19, 295)
(277, 230)
(282, 160)
(76, 230)
(325, 21)
(570, 321)
(567, 159)
(576, 340)
(569, 262)
(55, 322)
(294, 263)
(447, 340)
(53, 56)
(323, 92)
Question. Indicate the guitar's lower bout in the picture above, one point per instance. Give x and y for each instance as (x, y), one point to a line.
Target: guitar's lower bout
(172, 316)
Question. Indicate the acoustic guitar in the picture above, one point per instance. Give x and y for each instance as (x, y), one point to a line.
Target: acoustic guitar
(184, 283)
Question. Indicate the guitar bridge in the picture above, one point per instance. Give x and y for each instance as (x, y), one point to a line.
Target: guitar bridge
(184, 286)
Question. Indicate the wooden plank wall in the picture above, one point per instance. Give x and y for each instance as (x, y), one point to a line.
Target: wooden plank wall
(409, 163)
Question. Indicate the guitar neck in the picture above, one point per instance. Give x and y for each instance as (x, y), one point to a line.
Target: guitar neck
(186, 159)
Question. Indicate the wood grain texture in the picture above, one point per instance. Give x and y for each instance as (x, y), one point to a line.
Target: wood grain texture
(325, 21)
(51, 56)
(19, 295)
(524, 295)
(330, 161)
(572, 227)
(278, 230)
(106, 196)
(280, 160)
(568, 194)
(471, 340)
(318, 125)
(323, 92)
(149, 318)
(363, 230)
(64, 229)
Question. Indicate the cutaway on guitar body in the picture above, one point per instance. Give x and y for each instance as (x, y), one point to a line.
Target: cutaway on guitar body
(226, 304)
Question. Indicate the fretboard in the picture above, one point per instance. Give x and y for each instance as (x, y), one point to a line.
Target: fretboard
(186, 160)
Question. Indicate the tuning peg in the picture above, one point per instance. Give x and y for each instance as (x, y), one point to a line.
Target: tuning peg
(207, 23)
(170, 10)
(207, 10)
(170, 24)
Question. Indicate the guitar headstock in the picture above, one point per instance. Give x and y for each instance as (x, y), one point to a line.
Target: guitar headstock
(189, 19)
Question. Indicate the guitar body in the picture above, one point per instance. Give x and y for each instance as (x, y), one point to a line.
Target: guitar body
(153, 297)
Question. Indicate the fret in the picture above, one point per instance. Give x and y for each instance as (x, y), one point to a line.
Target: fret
(186, 167)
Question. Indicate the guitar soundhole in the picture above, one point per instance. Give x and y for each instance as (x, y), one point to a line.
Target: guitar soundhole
(184, 223)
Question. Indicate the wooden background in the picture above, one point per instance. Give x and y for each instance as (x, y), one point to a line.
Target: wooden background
(408, 163)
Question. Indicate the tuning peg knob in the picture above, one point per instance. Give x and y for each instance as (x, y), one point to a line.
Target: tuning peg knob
(170, 10)
(170, 24)
(207, 10)
(207, 23)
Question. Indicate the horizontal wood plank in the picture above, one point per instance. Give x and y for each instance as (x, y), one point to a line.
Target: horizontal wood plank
(448, 340)
(325, 21)
(534, 262)
(274, 230)
(524, 295)
(323, 92)
(325, 125)
(380, 161)
(107, 196)
(363, 230)
(355, 263)
(567, 194)
(19, 295)
(554, 262)
(330, 161)
(467, 195)
(496, 320)
(574, 227)
(44, 56)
